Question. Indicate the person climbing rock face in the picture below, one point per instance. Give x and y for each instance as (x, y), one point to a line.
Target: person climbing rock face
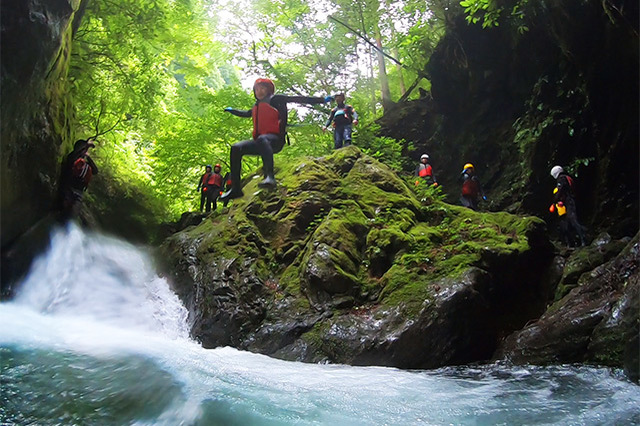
(269, 115)
(471, 188)
(425, 171)
(343, 118)
(202, 186)
(75, 174)
(565, 206)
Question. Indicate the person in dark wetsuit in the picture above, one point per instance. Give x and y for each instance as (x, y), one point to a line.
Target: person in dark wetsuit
(75, 174)
(471, 188)
(566, 204)
(269, 115)
(344, 117)
(425, 171)
(202, 186)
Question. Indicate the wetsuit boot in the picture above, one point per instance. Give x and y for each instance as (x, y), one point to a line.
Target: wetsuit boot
(269, 181)
(236, 189)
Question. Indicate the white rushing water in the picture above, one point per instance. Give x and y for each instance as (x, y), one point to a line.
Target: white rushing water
(94, 336)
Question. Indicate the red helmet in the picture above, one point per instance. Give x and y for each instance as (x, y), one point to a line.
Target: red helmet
(218, 166)
(266, 82)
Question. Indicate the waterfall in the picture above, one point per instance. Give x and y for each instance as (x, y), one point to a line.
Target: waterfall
(95, 336)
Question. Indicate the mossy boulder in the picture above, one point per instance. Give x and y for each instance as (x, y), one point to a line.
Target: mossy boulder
(343, 263)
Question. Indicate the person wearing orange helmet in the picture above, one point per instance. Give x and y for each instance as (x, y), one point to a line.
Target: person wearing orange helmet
(269, 115)
(471, 188)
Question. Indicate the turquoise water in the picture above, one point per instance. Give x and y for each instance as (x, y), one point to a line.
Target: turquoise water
(96, 337)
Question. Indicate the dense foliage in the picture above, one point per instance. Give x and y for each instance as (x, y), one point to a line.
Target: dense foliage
(151, 79)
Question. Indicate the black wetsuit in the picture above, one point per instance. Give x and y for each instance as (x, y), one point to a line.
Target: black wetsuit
(72, 187)
(570, 219)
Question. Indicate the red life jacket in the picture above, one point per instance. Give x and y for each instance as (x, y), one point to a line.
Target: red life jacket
(470, 188)
(81, 171)
(426, 171)
(215, 179)
(266, 119)
(205, 179)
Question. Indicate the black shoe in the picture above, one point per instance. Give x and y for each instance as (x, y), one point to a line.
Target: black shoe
(231, 194)
(268, 182)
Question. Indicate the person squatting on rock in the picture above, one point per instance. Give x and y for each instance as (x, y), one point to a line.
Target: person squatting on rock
(75, 174)
(425, 171)
(269, 115)
(343, 117)
(564, 204)
(471, 188)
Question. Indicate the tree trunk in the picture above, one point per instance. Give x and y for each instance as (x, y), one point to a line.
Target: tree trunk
(382, 71)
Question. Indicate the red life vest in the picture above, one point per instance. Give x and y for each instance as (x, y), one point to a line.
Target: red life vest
(425, 171)
(205, 178)
(81, 171)
(215, 179)
(266, 119)
(470, 188)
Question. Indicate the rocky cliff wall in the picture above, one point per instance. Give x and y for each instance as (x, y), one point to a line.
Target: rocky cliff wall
(36, 113)
(515, 104)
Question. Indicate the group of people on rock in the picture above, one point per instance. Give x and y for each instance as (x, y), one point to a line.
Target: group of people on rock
(471, 189)
(210, 186)
(269, 115)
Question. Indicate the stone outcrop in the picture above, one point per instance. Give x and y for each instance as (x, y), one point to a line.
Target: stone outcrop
(343, 263)
(596, 322)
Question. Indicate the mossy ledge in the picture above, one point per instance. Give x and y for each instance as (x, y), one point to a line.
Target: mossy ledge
(343, 263)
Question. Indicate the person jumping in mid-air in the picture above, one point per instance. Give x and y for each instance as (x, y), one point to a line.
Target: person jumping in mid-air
(269, 115)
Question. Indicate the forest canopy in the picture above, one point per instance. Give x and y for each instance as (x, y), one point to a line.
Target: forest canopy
(151, 79)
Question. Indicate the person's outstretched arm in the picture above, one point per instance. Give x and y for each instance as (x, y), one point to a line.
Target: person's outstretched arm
(239, 113)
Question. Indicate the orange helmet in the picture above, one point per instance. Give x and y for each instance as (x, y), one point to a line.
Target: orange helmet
(266, 82)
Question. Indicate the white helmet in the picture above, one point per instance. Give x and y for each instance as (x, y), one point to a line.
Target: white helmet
(424, 156)
(555, 171)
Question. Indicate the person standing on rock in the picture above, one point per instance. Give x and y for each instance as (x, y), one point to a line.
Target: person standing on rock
(471, 188)
(75, 174)
(425, 171)
(565, 203)
(343, 117)
(269, 115)
(202, 186)
(214, 185)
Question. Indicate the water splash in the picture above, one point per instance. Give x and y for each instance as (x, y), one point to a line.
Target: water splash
(95, 337)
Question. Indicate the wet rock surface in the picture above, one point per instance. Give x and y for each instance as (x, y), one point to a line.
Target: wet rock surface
(596, 322)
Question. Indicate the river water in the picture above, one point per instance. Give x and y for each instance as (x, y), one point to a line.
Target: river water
(95, 337)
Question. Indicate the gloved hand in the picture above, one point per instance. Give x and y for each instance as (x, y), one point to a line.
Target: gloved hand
(484, 197)
(435, 184)
(228, 109)
(355, 122)
(328, 98)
